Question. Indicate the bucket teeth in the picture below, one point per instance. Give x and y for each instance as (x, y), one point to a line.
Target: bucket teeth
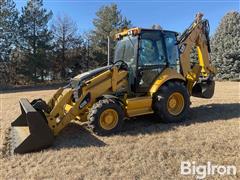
(30, 131)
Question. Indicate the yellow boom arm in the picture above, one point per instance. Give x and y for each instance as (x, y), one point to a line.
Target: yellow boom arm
(65, 110)
(196, 36)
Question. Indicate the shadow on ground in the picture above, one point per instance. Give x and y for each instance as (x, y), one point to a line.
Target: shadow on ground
(77, 136)
(201, 114)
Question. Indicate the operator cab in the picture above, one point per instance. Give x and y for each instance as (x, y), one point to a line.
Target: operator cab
(147, 52)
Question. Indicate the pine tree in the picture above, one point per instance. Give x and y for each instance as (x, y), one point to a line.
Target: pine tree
(35, 39)
(226, 47)
(8, 37)
(108, 21)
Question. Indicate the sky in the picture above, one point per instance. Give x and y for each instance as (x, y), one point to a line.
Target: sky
(170, 14)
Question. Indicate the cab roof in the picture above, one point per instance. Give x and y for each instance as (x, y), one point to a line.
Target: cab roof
(138, 30)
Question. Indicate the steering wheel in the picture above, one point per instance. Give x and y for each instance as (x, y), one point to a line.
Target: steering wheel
(123, 65)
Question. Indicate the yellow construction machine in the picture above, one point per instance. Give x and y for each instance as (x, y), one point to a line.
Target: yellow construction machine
(151, 74)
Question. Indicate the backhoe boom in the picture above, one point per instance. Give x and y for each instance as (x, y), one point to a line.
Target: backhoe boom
(197, 35)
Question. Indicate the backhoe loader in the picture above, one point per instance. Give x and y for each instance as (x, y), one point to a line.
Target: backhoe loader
(151, 74)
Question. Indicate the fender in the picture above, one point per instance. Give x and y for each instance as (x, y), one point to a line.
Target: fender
(110, 96)
(166, 75)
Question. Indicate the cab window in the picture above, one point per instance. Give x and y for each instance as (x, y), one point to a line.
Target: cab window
(125, 50)
(151, 49)
(172, 48)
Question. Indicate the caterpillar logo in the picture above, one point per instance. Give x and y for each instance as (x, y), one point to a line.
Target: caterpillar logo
(182, 48)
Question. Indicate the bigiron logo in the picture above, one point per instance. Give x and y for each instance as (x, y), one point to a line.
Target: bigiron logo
(204, 170)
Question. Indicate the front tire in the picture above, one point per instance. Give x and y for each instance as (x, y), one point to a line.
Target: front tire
(106, 117)
(171, 102)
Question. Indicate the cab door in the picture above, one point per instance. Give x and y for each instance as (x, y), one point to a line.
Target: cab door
(152, 59)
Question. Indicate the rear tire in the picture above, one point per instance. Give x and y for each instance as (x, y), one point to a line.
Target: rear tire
(171, 102)
(106, 117)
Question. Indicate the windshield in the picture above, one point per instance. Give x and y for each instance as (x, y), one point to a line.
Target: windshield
(125, 50)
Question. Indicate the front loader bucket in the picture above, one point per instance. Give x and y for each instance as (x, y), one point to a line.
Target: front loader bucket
(30, 131)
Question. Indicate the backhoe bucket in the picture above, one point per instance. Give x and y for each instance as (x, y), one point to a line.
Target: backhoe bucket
(204, 89)
(30, 131)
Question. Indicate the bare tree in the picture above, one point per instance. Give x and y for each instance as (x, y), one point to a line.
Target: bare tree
(65, 34)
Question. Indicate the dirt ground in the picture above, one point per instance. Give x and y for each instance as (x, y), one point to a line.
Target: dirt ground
(145, 149)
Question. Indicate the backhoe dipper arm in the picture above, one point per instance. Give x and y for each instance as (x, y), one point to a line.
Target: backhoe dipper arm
(196, 35)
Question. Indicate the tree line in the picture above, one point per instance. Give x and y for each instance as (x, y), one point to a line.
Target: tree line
(33, 51)
(35, 47)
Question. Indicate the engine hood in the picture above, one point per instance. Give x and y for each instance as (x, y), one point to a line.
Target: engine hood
(77, 80)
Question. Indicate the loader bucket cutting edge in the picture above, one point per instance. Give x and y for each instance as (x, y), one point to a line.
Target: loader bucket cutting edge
(30, 131)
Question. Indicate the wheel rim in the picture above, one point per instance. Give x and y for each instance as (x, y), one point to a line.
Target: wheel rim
(108, 119)
(175, 103)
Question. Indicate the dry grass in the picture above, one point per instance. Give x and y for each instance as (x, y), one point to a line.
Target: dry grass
(145, 149)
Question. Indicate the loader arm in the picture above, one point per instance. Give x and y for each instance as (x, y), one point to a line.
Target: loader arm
(39, 122)
(74, 104)
(197, 35)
